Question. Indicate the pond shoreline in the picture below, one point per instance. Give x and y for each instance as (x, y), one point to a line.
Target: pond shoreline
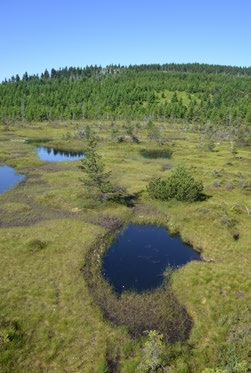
(9, 178)
(140, 255)
(137, 311)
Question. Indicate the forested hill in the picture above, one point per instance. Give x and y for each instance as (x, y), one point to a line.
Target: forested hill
(197, 93)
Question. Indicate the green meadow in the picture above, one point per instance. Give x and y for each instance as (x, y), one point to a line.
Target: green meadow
(57, 314)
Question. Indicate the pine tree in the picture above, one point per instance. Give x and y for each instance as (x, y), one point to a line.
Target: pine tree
(93, 167)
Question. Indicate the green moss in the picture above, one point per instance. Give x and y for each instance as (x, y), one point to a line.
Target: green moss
(49, 224)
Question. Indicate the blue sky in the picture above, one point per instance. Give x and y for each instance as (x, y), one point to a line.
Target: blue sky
(40, 34)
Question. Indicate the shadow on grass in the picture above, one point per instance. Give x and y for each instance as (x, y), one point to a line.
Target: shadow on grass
(123, 198)
(204, 197)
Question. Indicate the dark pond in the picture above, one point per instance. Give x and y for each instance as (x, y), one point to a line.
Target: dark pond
(56, 155)
(8, 178)
(156, 153)
(139, 255)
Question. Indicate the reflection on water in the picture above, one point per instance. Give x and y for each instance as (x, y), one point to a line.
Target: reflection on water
(56, 155)
(8, 178)
(139, 256)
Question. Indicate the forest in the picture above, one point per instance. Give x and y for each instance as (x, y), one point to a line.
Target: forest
(189, 93)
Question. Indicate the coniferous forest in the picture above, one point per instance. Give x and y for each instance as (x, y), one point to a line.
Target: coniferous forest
(191, 93)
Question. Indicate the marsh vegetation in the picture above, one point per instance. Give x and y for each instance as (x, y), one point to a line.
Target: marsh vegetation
(58, 313)
(54, 233)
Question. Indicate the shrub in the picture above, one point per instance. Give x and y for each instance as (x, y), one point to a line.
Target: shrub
(157, 189)
(37, 245)
(93, 167)
(97, 180)
(151, 359)
(180, 185)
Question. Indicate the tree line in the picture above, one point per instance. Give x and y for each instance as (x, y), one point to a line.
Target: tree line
(196, 93)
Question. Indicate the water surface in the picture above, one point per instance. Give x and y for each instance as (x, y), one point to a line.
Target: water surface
(156, 153)
(8, 178)
(140, 254)
(55, 155)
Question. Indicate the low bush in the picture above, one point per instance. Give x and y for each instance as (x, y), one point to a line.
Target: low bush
(180, 185)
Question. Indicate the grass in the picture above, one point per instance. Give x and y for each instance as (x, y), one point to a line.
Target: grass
(51, 318)
(45, 293)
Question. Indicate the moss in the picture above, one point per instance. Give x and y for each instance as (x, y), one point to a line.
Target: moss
(49, 225)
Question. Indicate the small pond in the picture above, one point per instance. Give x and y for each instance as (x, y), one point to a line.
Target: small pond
(55, 155)
(140, 254)
(8, 178)
(156, 153)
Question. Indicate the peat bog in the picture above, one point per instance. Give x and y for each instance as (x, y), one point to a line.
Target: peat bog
(49, 233)
(127, 281)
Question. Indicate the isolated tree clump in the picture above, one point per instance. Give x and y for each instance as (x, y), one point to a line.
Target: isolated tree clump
(97, 180)
(180, 186)
(93, 167)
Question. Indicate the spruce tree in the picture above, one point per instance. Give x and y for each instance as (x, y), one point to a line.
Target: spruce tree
(93, 167)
